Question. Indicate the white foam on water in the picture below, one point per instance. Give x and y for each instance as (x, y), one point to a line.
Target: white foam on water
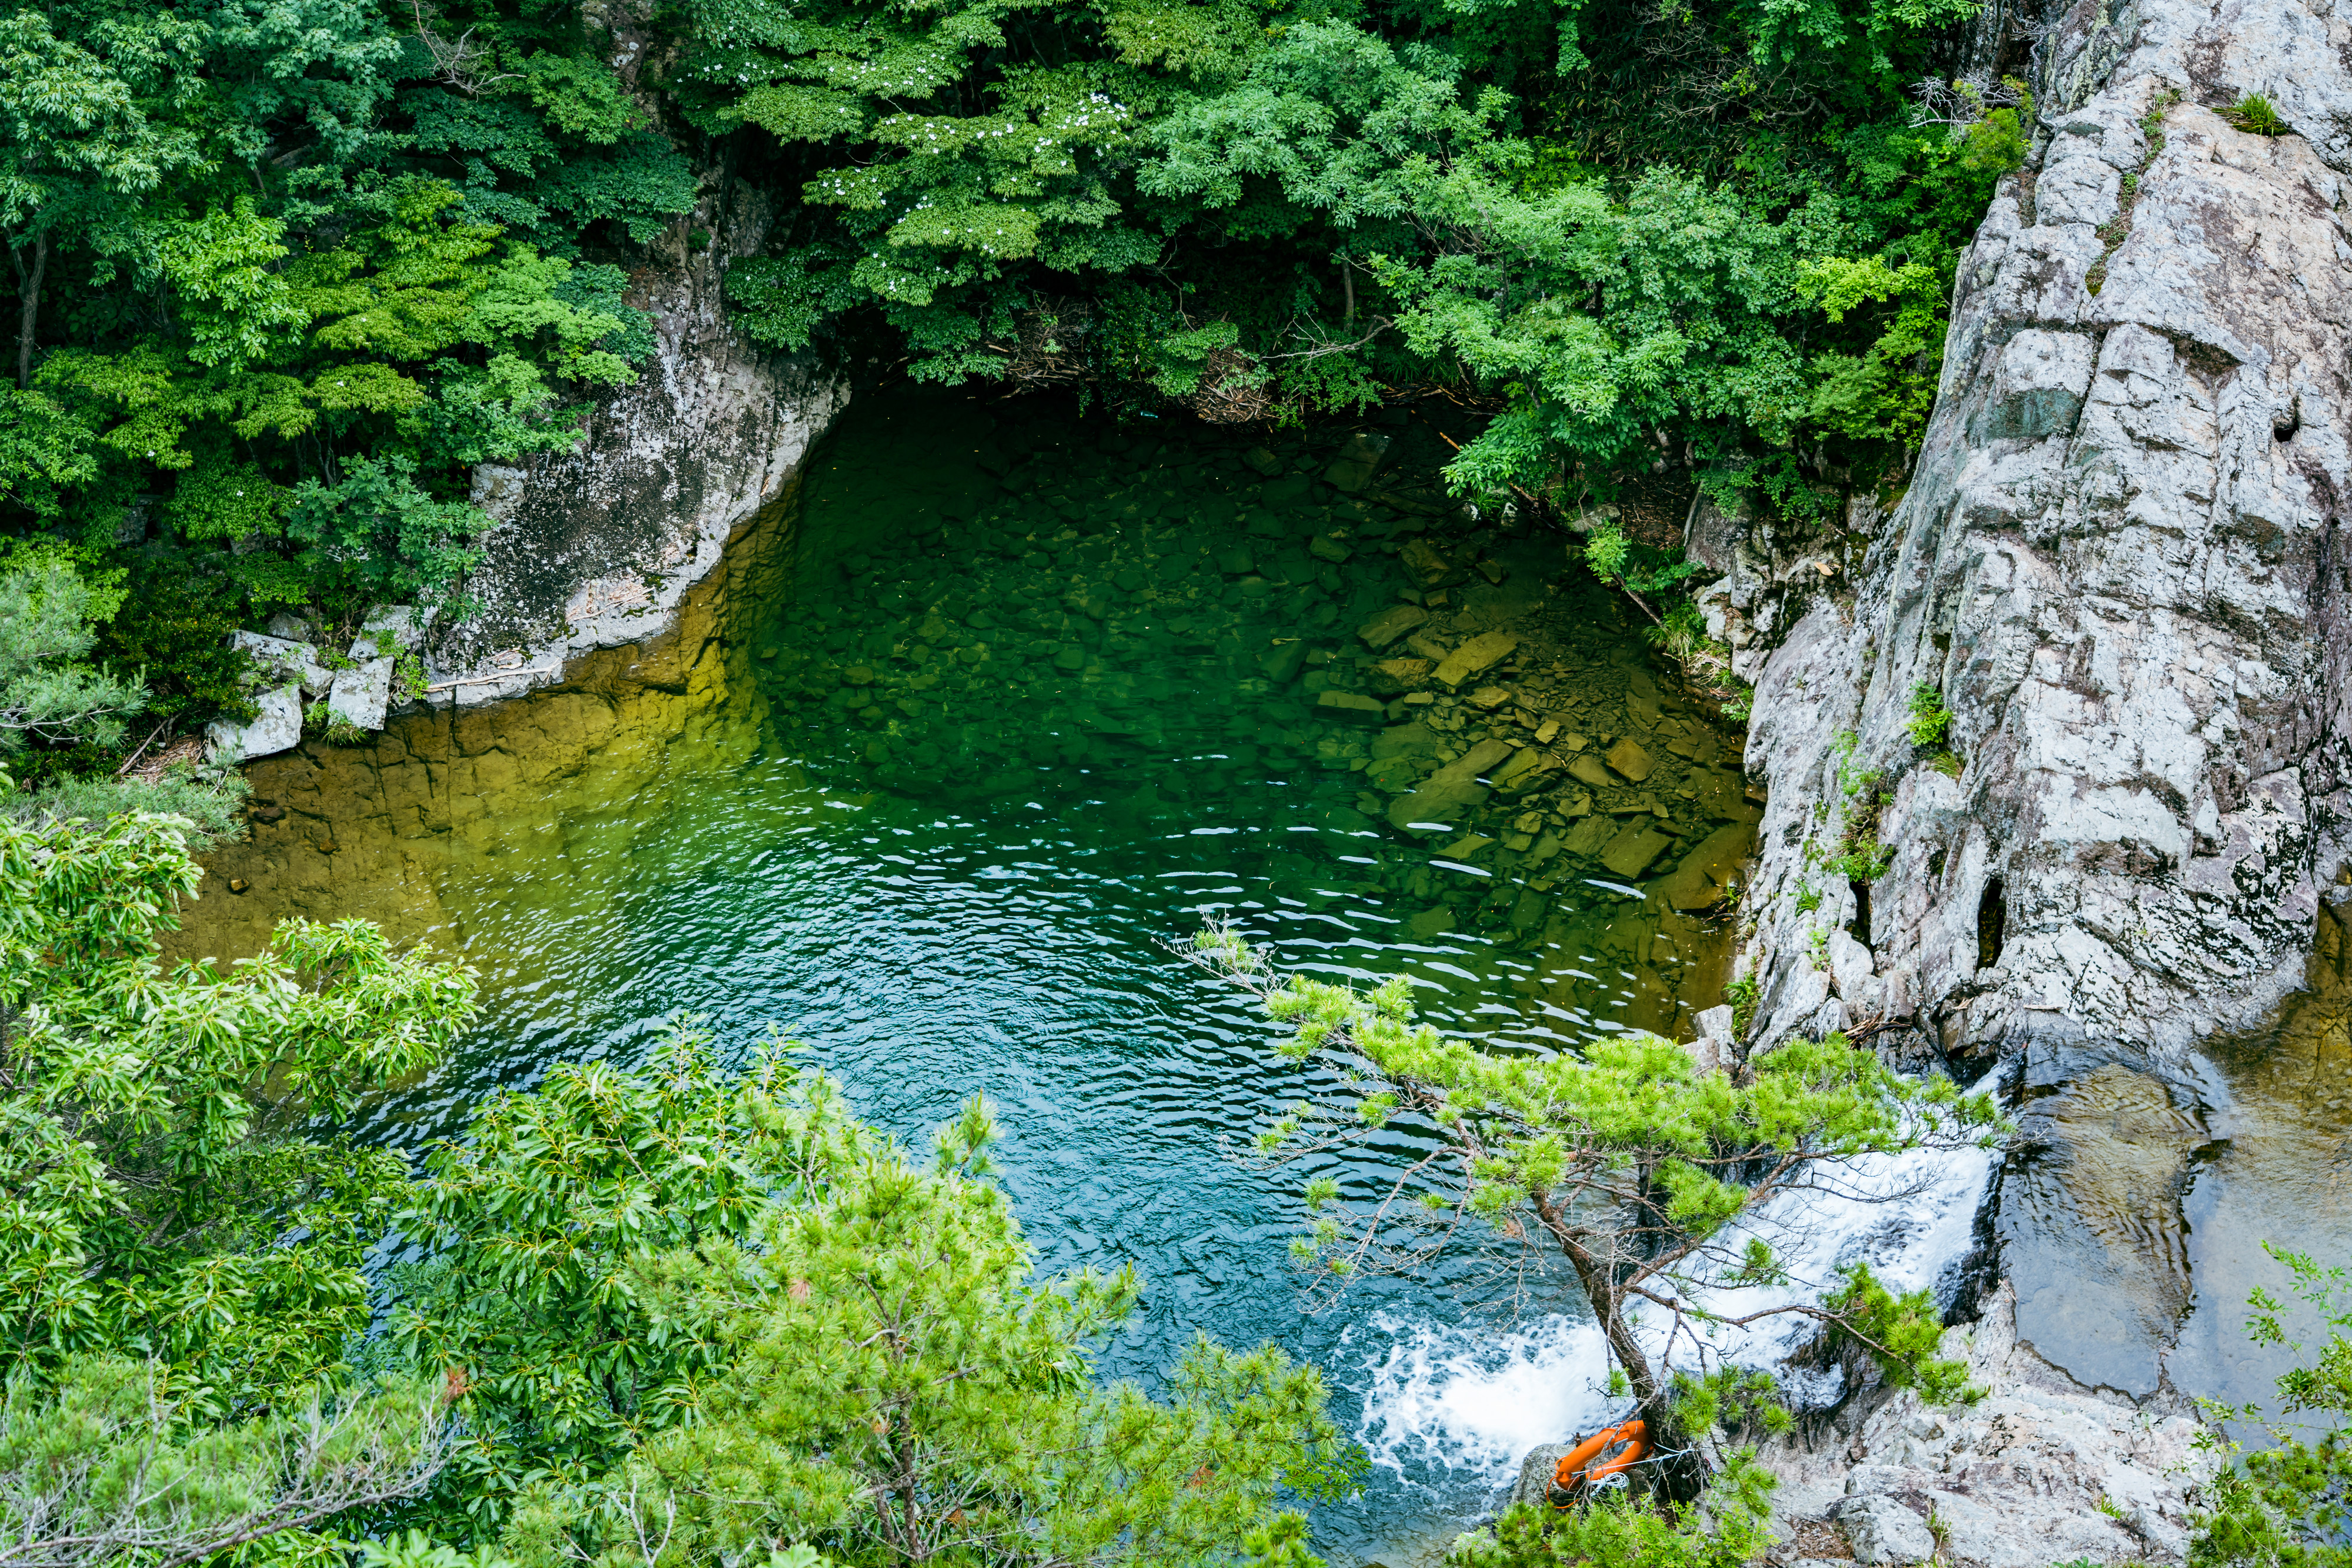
(1465, 1398)
(1470, 1400)
(1908, 1216)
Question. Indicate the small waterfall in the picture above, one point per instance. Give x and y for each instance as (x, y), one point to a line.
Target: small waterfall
(1465, 1398)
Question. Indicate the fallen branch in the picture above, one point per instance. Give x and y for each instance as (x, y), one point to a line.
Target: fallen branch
(498, 675)
(143, 744)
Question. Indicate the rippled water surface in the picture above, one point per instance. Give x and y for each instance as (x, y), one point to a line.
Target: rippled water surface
(1027, 698)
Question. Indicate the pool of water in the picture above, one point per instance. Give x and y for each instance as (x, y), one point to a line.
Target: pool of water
(1017, 699)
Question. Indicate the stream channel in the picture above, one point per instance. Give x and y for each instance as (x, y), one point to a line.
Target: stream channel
(1002, 699)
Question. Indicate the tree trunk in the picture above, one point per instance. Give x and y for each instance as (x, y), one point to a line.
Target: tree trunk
(1607, 1307)
(28, 304)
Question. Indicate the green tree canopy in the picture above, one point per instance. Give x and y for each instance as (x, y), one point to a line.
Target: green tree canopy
(160, 1202)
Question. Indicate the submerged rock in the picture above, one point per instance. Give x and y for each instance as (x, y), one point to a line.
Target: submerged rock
(1629, 854)
(1351, 707)
(1452, 791)
(1709, 870)
(1421, 559)
(1390, 624)
(1283, 664)
(1628, 757)
(1476, 656)
(1357, 461)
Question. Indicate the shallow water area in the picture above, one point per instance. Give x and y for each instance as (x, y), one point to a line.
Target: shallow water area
(1001, 703)
(2137, 1211)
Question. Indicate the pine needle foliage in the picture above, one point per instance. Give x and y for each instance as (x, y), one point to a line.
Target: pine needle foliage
(1652, 1181)
(714, 1312)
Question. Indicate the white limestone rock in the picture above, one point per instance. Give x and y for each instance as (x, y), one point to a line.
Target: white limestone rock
(2122, 559)
(405, 625)
(2041, 1470)
(282, 660)
(361, 695)
(2038, 384)
(597, 547)
(1883, 1531)
(277, 727)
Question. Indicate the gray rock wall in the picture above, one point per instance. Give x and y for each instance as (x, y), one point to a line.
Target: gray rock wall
(2038, 1471)
(596, 548)
(2122, 560)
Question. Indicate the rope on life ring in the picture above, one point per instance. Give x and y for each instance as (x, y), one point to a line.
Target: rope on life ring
(1607, 1454)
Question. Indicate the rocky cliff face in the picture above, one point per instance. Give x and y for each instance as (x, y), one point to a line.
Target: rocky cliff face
(2124, 564)
(596, 548)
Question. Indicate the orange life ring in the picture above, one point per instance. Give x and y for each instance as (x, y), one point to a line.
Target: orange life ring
(1606, 1453)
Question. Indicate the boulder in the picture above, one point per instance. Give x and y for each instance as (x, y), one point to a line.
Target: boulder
(360, 694)
(1263, 460)
(1586, 770)
(1330, 547)
(1628, 757)
(282, 659)
(1881, 1530)
(1534, 1485)
(1390, 624)
(1634, 847)
(404, 625)
(1476, 656)
(277, 727)
(1490, 697)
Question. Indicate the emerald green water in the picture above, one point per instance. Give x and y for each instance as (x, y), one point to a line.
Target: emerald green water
(1042, 693)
